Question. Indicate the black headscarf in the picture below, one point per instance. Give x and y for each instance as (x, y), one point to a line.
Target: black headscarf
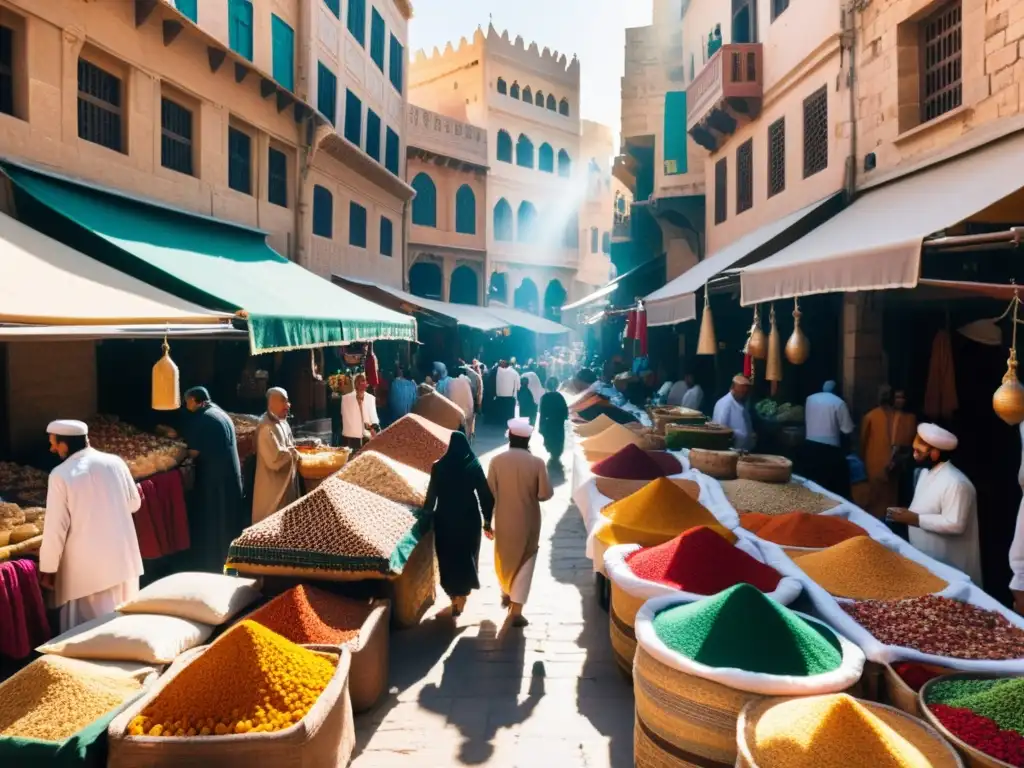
(460, 455)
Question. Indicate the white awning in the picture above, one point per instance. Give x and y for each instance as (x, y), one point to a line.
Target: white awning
(216, 332)
(527, 320)
(676, 302)
(875, 244)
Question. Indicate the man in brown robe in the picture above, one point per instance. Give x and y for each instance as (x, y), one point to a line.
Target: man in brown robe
(519, 481)
(277, 483)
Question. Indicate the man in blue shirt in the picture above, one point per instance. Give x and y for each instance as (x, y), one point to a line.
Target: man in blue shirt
(402, 395)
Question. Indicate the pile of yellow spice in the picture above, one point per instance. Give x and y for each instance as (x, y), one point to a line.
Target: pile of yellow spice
(251, 680)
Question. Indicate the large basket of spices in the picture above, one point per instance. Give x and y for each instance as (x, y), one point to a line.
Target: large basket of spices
(713, 437)
(322, 620)
(720, 465)
(904, 680)
(388, 478)
(801, 532)
(702, 561)
(981, 715)
(631, 468)
(56, 710)
(698, 664)
(775, 498)
(836, 730)
(250, 698)
(413, 441)
(316, 463)
(608, 442)
(764, 468)
(661, 417)
(595, 427)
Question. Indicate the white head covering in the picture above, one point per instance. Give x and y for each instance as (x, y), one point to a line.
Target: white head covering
(741, 381)
(67, 428)
(277, 391)
(520, 427)
(937, 437)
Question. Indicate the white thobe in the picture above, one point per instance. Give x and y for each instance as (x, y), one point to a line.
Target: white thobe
(353, 419)
(732, 414)
(676, 393)
(506, 383)
(1017, 547)
(694, 398)
(827, 417)
(89, 539)
(947, 508)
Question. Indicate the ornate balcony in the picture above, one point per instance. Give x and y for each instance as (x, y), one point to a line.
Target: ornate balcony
(727, 91)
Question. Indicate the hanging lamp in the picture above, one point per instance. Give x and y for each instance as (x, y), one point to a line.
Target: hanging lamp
(798, 348)
(1008, 400)
(773, 369)
(166, 395)
(707, 343)
(757, 342)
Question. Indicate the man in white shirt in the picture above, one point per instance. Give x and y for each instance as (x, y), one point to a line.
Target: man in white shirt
(506, 387)
(943, 516)
(730, 411)
(1017, 547)
(359, 420)
(827, 417)
(90, 553)
(693, 398)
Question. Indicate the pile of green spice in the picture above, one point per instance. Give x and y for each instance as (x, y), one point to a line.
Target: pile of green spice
(717, 632)
(998, 700)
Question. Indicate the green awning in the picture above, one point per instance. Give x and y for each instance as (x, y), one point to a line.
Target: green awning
(213, 263)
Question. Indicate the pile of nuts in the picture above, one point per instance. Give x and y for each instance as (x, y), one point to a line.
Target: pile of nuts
(775, 498)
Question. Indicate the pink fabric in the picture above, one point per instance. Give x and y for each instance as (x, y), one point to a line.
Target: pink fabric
(162, 521)
(23, 623)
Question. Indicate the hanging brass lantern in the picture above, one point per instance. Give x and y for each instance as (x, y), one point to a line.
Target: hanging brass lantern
(773, 369)
(166, 395)
(707, 343)
(757, 342)
(1008, 400)
(798, 348)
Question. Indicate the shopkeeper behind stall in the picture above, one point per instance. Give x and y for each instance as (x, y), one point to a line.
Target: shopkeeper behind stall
(943, 517)
(731, 411)
(359, 420)
(277, 480)
(90, 552)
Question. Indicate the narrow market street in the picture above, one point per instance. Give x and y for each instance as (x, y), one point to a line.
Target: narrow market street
(469, 693)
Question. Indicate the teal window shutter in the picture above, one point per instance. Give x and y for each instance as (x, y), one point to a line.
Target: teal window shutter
(564, 164)
(396, 64)
(387, 237)
(546, 158)
(465, 210)
(327, 92)
(282, 43)
(334, 6)
(391, 150)
(377, 39)
(373, 135)
(356, 225)
(323, 212)
(504, 147)
(240, 27)
(424, 205)
(503, 225)
(188, 8)
(357, 20)
(675, 133)
(353, 118)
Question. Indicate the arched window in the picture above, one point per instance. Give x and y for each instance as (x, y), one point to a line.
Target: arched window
(593, 239)
(540, 98)
(323, 212)
(606, 243)
(546, 158)
(563, 107)
(528, 95)
(551, 103)
(424, 205)
(564, 164)
(571, 238)
(463, 286)
(502, 86)
(465, 210)
(524, 152)
(514, 93)
(527, 222)
(503, 225)
(504, 147)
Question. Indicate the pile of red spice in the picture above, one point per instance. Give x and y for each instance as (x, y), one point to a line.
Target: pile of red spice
(982, 733)
(702, 562)
(634, 463)
(916, 675)
(801, 529)
(310, 616)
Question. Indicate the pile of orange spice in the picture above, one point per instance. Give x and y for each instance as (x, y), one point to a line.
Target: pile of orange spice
(801, 529)
(310, 616)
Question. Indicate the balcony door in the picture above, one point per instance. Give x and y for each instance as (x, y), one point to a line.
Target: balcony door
(744, 21)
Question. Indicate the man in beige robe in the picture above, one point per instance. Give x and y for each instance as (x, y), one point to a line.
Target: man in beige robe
(519, 481)
(277, 483)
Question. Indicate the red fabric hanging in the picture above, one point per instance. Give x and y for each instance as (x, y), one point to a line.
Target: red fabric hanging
(641, 331)
(748, 366)
(372, 370)
(631, 324)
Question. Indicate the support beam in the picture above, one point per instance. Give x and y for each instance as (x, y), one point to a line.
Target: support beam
(301, 111)
(143, 8)
(284, 100)
(240, 72)
(267, 87)
(216, 57)
(172, 29)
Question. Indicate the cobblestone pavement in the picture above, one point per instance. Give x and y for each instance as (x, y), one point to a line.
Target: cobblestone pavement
(470, 692)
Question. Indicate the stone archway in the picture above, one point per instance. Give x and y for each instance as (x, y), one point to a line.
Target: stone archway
(425, 280)
(527, 297)
(554, 298)
(464, 286)
(497, 289)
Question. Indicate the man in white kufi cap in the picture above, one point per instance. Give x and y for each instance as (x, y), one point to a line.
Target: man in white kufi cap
(277, 459)
(519, 481)
(731, 411)
(943, 516)
(90, 553)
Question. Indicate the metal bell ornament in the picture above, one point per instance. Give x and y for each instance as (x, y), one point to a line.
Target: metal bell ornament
(1008, 400)
(757, 342)
(707, 343)
(166, 394)
(798, 348)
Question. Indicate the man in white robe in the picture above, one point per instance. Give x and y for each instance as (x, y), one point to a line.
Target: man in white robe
(693, 397)
(519, 482)
(1017, 547)
(277, 482)
(827, 417)
(731, 411)
(943, 516)
(90, 553)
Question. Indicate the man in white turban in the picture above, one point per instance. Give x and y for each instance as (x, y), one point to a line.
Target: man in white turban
(277, 481)
(943, 516)
(90, 553)
(731, 411)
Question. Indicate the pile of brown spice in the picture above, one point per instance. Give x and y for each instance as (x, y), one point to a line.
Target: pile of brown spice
(775, 498)
(801, 529)
(310, 616)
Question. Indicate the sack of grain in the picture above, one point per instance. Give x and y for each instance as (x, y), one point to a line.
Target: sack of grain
(386, 477)
(412, 440)
(415, 589)
(698, 664)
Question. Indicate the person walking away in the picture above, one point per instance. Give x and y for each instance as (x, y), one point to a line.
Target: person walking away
(693, 398)
(90, 554)
(441, 378)
(535, 385)
(359, 420)
(506, 387)
(217, 513)
(527, 404)
(402, 396)
(886, 442)
(519, 483)
(943, 517)
(458, 499)
(730, 411)
(277, 482)
(460, 392)
(553, 414)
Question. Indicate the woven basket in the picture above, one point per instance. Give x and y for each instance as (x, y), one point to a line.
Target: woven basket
(622, 612)
(713, 437)
(415, 590)
(661, 418)
(616, 489)
(653, 442)
(750, 715)
(764, 468)
(717, 464)
(322, 469)
(901, 695)
(972, 757)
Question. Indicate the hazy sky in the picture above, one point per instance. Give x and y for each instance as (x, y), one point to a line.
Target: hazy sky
(592, 29)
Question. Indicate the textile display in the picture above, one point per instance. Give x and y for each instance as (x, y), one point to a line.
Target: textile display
(23, 623)
(161, 523)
